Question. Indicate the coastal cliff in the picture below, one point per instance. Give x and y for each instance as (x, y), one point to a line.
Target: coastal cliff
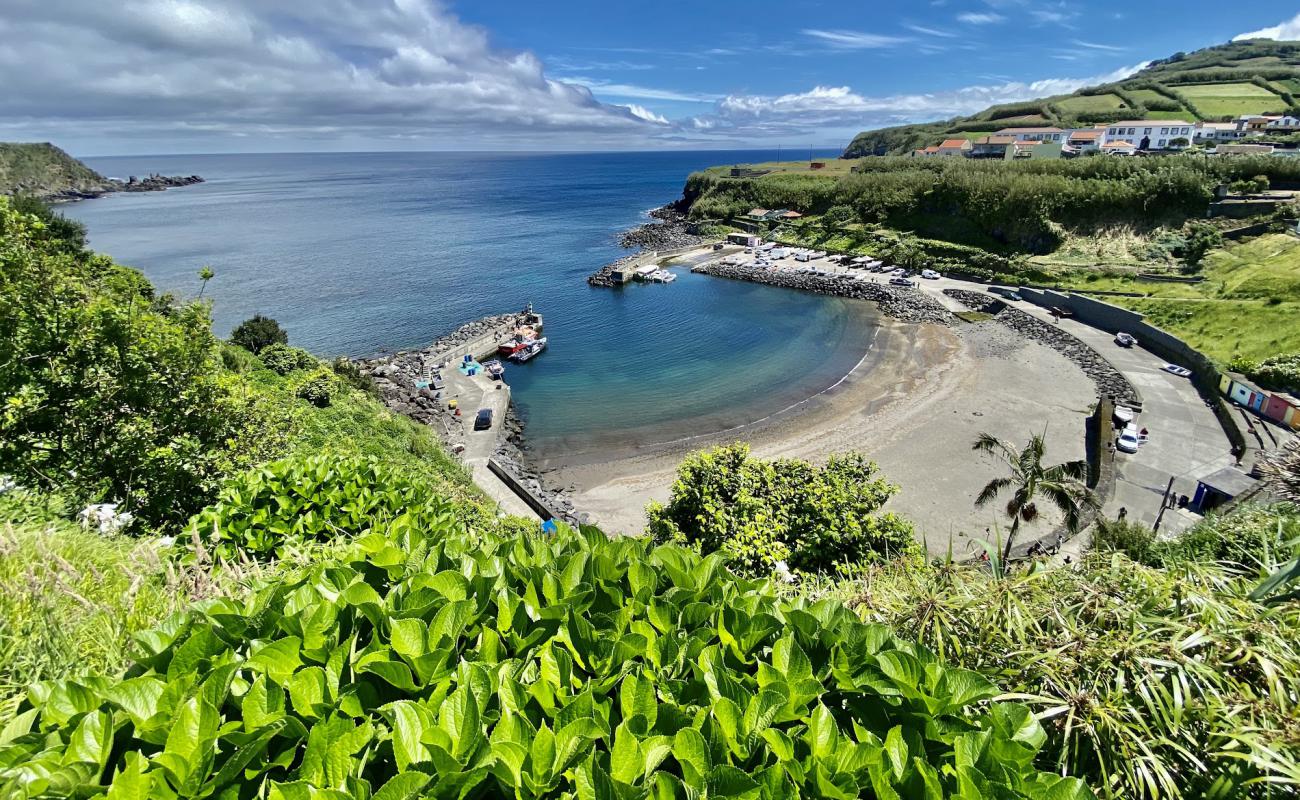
(47, 172)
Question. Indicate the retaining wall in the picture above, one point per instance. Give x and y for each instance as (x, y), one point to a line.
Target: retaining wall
(1113, 319)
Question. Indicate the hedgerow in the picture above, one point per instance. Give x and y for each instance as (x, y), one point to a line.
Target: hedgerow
(434, 663)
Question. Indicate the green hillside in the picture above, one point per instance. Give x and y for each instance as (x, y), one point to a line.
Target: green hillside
(1217, 83)
(41, 169)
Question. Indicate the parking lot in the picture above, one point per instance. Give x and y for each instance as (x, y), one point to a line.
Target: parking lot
(816, 262)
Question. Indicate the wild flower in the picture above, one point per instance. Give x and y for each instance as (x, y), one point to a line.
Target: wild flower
(105, 517)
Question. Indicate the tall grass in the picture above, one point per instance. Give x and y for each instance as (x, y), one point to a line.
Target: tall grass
(1152, 683)
(70, 599)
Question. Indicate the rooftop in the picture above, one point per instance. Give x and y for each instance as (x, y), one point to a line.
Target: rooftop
(954, 143)
(1229, 481)
(1150, 123)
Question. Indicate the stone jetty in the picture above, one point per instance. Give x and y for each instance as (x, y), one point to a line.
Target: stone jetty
(1110, 382)
(604, 276)
(395, 377)
(901, 303)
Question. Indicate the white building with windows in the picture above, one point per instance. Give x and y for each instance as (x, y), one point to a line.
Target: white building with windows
(1035, 134)
(1151, 134)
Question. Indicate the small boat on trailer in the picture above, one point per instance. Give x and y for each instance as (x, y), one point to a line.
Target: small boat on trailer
(494, 369)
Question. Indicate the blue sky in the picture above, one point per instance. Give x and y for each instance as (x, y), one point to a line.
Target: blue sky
(151, 76)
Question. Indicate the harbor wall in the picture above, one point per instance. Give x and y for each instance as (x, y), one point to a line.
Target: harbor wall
(1113, 319)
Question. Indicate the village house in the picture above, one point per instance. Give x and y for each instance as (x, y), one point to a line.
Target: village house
(1269, 123)
(1151, 134)
(994, 146)
(1216, 132)
(1119, 148)
(1084, 141)
(1034, 134)
(955, 147)
(932, 150)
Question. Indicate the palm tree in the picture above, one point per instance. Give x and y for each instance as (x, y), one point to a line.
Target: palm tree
(1029, 480)
(205, 275)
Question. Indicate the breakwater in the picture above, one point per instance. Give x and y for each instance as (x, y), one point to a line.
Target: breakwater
(406, 385)
(901, 303)
(670, 229)
(1110, 383)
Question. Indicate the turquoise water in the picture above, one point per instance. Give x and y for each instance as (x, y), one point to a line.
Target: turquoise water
(359, 253)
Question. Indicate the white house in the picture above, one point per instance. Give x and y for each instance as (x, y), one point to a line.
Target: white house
(1151, 134)
(1271, 123)
(1035, 134)
(1216, 132)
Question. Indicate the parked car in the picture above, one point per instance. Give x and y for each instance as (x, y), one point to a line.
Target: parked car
(1061, 313)
(930, 275)
(718, 245)
(1174, 369)
(1125, 340)
(1005, 293)
(896, 281)
(483, 420)
(1128, 440)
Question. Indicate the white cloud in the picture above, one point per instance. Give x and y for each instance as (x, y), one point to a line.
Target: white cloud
(980, 18)
(932, 31)
(622, 90)
(641, 112)
(1096, 46)
(840, 107)
(282, 70)
(855, 40)
(1283, 31)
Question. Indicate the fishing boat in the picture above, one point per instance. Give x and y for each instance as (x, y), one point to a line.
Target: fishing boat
(494, 369)
(528, 352)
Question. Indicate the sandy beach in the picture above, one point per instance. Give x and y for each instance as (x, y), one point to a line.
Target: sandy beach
(914, 405)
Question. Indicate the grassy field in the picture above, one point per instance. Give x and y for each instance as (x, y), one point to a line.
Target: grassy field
(834, 166)
(1099, 102)
(1232, 99)
(1248, 305)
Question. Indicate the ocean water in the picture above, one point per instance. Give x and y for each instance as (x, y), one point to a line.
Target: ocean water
(360, 253)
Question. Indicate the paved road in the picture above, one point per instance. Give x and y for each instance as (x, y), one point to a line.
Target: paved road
(473, 394)
(1186, 441)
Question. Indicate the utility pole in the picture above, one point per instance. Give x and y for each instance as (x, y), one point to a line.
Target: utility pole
(778, 154)
(1164, 504)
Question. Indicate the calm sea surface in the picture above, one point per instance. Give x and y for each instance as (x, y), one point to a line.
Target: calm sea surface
(358, 253)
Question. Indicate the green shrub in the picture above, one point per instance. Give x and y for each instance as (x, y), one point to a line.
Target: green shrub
(1136, 541)
(1240, 541)
(434, 664)
(319, 388)
(111, 394)
(350, 373)
(1280, 372)
(283, 359)
(758, 513)
(312, 498)
(258, 332)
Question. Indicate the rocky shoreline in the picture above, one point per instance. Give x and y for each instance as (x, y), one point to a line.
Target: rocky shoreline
(905, 305)
(671, 229)
(395, 376)
(152, 183)
(1108, 379)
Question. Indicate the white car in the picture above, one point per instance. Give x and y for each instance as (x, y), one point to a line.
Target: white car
(930, 275)
(1128, 440)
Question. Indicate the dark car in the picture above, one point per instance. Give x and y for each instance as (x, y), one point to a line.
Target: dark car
(901, 282)
(1005, 293)
(483, 421)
